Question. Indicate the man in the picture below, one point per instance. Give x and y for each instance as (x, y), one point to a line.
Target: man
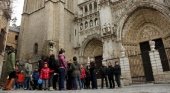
(103, 72)
(111, 75)
(93, 76)
(28, 73)
(75, 67)
(117, 73)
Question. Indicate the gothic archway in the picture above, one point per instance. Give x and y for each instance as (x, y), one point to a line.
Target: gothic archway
(93, 49)
(142, 25)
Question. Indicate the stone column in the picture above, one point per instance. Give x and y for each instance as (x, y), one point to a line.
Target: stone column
(55, 22)
(49, 8)
(92, 6)
(155, 62)
(125, 68)
(83, 10)
(107, 49)
(156, 65)
(88, 9)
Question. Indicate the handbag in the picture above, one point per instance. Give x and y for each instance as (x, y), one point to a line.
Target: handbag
(40, 81)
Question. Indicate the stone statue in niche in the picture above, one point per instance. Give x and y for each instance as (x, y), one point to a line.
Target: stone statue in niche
(108, 27)
(122, 51)
(114, 30)
(152, 45)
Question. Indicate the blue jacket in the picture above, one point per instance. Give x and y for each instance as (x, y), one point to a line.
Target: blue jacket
(35, 75)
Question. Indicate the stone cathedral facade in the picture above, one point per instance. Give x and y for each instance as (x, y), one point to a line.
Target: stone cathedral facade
(134, 32)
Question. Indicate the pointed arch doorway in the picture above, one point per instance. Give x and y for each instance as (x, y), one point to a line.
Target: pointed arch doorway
(93, 50)
(142, 25)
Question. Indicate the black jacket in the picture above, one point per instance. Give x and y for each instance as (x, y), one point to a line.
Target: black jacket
(53, 64)
(104, 70)
(117, 70)
(110, 71)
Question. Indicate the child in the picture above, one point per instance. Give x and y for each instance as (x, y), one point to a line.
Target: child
(45, 76)
(35, 77)
(20, 79)
(83, 76)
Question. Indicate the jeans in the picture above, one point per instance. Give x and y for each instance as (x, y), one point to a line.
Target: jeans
(61, 78)
(45, 84)
(76, 82)
(35, 86)
(27, 83)
(18, 85)
(83, 83)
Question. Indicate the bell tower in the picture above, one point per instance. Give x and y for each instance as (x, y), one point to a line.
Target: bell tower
(32, 5)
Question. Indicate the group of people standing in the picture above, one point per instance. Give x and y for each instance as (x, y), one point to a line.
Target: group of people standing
(60, 74)
(110, 73)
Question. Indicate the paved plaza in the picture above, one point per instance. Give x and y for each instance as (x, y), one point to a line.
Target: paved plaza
(144, 88)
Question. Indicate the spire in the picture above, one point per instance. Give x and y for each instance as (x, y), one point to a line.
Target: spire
(14, 20)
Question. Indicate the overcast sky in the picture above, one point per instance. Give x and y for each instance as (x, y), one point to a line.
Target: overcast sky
(17, 10)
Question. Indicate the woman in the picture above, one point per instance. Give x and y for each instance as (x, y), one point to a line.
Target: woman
(62, 69)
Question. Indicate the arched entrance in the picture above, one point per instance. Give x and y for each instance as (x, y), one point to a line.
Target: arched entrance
(93, 49)
(142, 25)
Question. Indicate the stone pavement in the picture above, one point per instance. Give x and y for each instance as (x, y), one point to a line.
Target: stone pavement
(144, 88)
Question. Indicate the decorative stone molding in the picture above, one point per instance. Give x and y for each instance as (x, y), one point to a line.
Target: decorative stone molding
(90, 31)
(103, 3)
(133, 6)
(167, 2)
(109, 31)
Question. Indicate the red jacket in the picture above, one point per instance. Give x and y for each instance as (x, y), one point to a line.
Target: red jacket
(83, 73)
(20, 77)
(45, 73)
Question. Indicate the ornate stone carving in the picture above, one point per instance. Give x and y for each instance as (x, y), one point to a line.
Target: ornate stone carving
(103, 1)
(106, 29)
(148, 32)
(109, 30)
(167, 2)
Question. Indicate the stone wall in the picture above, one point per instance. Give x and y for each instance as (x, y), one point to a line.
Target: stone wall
(33, 30)
(12, 39)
